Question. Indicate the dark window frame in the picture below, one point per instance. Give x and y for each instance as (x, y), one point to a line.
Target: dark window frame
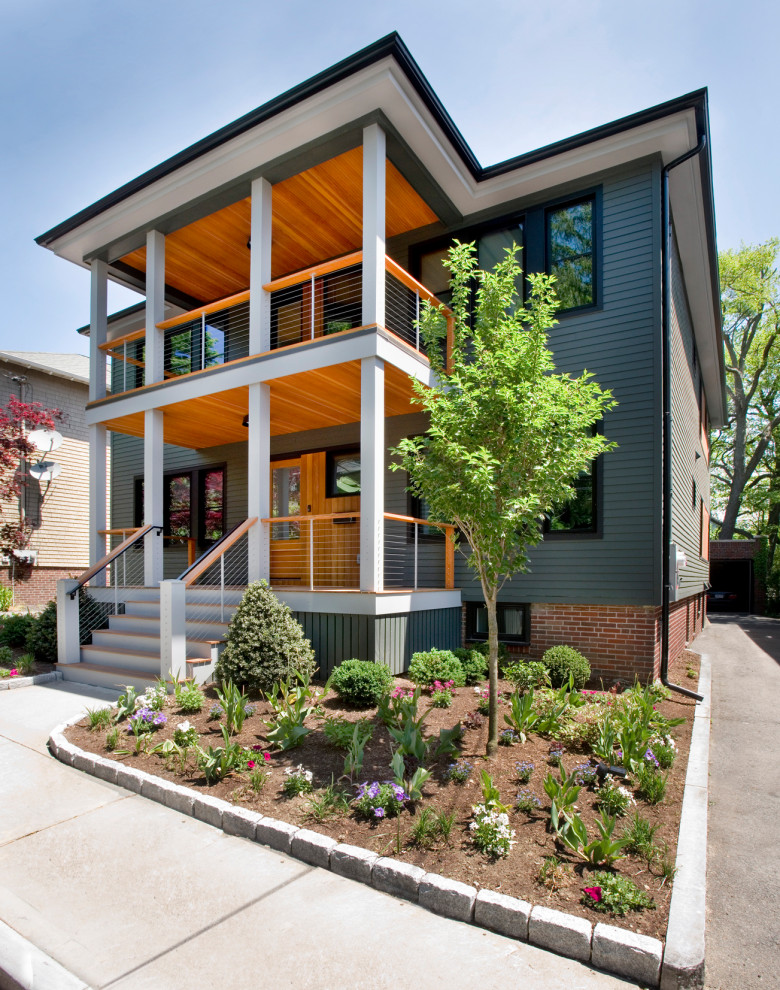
(596, 224)
(473, 636)
(597, 497)
(330, 470)
(197, 500)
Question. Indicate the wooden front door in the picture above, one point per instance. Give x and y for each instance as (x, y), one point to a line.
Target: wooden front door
(328, 547)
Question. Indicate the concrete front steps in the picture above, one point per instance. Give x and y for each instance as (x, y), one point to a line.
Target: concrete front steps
(128, 652)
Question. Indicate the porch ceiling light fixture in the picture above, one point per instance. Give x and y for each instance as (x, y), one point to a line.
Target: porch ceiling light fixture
(245, 421)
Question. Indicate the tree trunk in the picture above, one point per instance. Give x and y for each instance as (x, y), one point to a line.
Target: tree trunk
(492, 741)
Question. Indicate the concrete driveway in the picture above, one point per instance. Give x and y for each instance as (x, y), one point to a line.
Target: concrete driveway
(743, 847)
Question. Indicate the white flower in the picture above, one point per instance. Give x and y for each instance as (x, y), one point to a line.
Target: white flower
(183, 727)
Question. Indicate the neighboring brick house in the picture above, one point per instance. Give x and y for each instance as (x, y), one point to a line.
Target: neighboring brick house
(59, 546)
(283, 259)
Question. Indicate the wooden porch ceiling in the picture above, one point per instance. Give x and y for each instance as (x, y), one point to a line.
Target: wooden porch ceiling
(317, 215)
(307, 401)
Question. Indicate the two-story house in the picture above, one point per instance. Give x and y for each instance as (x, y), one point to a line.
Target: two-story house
(252, 400)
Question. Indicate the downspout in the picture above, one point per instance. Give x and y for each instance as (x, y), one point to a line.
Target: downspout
(666, 296)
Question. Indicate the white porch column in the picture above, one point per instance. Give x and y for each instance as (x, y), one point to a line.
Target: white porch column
(97, 498)
(374, 153)
(68, 645)
(98, 329)
(259, 480)
(260, 268)
(153, 495)
(155, 306)
(173, 629)
(372, 473)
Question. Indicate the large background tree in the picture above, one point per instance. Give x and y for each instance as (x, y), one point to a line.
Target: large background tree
(744, 461)
(507, 437)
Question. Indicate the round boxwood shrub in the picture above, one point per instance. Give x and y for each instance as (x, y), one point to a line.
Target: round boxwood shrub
(436, 665)
(264, 643)
(474, 664)
(564, 660)
(41, 639)
(361, 682)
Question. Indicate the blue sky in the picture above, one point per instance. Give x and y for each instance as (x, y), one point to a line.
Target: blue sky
(93, 93)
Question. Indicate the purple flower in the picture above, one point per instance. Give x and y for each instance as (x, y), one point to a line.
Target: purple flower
(379, 812)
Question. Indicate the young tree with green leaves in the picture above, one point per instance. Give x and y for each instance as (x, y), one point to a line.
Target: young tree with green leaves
(507, 436)
(742, 456)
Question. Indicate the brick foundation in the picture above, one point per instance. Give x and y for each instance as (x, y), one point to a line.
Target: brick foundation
(35, 586)
(621, 642)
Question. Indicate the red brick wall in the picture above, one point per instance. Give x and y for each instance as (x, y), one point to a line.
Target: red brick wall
(34, 587)
(621, 642)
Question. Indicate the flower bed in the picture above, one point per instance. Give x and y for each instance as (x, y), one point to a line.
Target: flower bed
(512, 851)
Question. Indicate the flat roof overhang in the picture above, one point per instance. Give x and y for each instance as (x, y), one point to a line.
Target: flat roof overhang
(382, 82)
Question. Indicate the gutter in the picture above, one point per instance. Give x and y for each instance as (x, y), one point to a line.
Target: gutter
(666, 296)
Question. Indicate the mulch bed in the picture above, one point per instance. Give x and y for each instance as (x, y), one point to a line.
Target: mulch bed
(517, 874)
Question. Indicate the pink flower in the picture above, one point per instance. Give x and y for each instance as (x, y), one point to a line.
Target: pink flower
(266, 757)
(251, 764)
(594, 892)
(13, 673)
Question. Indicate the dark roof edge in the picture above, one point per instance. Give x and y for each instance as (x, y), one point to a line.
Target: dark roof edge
(113, 317)
(390, 45)
(696, 100)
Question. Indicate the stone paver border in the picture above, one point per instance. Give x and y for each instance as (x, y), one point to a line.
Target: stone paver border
(606, 947)
(12, 683)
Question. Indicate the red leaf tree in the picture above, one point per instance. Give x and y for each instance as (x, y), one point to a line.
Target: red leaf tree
(17, 420)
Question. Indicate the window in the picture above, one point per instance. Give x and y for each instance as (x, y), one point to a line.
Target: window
(579, 514)
(286, 501)
(418, 508)
(491, 243)
(343, 472)
(193, 504)
(513, 622)
(570, 241)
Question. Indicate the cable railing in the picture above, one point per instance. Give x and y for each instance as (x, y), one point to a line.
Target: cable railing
(123, 568)
(322, 552)
(213, 585)
(315, 302)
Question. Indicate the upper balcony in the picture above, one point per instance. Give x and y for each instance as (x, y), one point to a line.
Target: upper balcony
(324, 300)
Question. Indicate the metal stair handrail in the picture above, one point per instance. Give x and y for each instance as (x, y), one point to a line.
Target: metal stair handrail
(125, 545)
(223, 544)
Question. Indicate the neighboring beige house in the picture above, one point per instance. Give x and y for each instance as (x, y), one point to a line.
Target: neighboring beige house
(59, 546)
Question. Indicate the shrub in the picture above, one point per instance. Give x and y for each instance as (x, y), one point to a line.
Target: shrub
(6, 597)
(264, 643)
(6, 656)
(15, 629)
(41, 639)
(361, 682)
(474, 664)
(527, 676)
(436, 665)
(561, 661)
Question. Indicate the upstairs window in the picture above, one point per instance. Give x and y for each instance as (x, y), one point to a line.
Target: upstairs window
(580, 513)
(570, 240)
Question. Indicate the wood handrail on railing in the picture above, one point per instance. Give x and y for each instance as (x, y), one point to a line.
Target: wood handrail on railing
(305, 274)
(189, 540)
(128, 338)
(213, 307)
(212, 555)
(112, 555)
(411, 283)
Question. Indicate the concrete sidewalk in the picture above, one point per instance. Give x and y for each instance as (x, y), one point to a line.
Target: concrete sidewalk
(125, 893)
(743, 845)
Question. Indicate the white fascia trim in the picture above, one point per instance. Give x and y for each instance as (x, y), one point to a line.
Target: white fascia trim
(321, 114)
(685, 193)
(382, 86)
(369, 603)
(264, 368)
